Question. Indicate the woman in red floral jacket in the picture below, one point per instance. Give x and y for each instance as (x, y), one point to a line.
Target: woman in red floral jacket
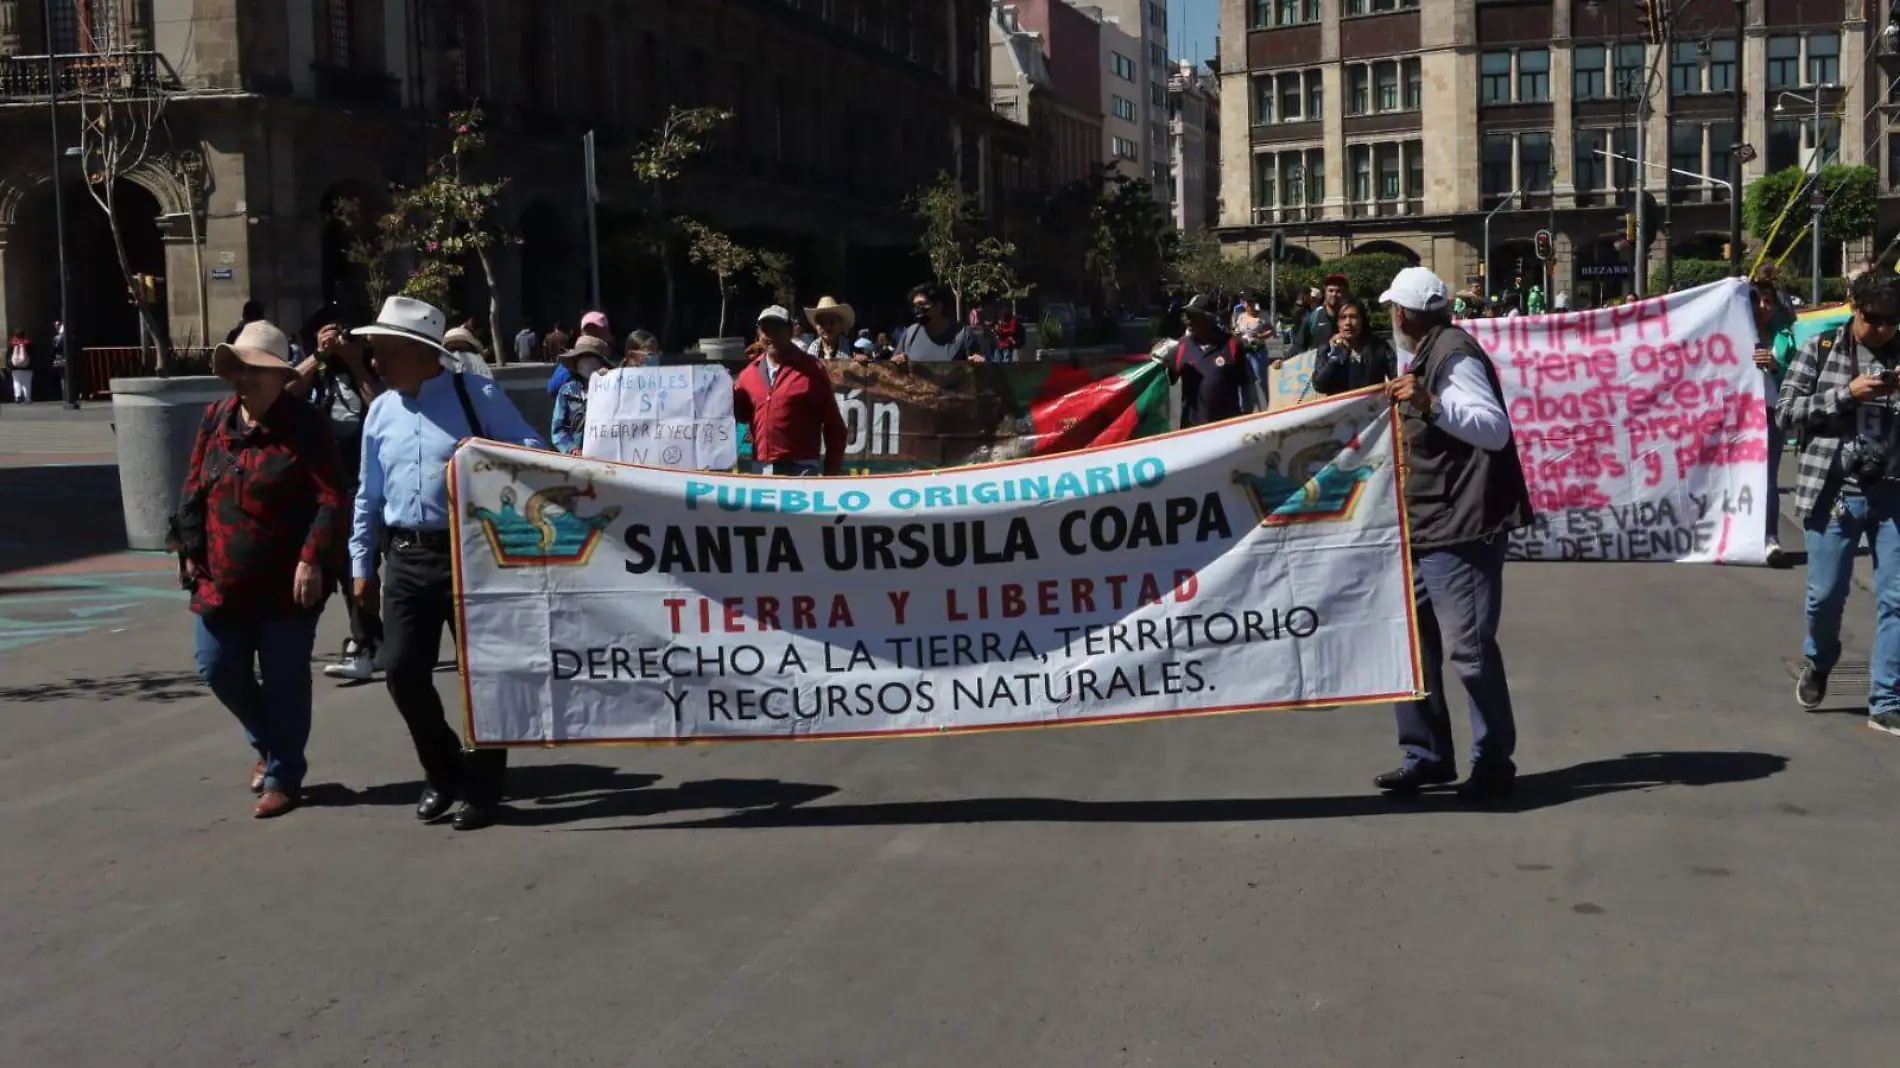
(261, 515)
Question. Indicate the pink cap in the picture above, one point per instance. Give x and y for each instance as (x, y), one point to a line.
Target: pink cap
(594, 319)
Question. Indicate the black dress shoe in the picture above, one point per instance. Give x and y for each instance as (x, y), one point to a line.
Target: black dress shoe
(435, 804)
(474, 817)
(1412, 778)
(1487, 786)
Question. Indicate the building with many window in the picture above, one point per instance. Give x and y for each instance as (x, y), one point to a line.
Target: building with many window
(1194, 147)
(277, 110)
(1146, 21)
(1396, 125)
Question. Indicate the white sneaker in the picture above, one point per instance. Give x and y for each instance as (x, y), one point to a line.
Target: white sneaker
(356, 667)
(1775, 555)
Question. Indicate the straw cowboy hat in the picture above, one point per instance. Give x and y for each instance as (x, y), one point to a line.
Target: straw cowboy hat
(462, 336)
(409, 318)
(842, 311)
(259, 344)
(588, 345)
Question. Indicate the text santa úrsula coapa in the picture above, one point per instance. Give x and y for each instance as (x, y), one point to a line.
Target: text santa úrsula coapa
(849, 546)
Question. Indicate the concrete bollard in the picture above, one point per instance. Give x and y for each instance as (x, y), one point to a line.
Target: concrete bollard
(155, 423)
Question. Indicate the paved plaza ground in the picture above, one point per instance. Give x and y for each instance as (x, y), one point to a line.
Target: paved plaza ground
(1694, 873)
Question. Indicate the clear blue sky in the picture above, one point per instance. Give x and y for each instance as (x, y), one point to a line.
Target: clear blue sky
(1192, 27)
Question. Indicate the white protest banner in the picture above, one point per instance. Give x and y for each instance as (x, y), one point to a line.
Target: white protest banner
(1260, 563)
(677, 417)
(1643, 428)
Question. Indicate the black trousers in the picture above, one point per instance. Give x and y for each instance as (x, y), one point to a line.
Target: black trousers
(418, 601)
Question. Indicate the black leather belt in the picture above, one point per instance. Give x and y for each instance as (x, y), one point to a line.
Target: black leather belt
(404, 538)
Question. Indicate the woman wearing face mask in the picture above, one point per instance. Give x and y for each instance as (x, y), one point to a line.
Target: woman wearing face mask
(1356, 358)
(589, 356)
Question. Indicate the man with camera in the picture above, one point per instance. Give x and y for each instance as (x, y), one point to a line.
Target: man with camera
(339, 381)
(1840, 401)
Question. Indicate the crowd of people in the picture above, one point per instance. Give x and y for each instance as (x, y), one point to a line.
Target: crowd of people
(325, 474)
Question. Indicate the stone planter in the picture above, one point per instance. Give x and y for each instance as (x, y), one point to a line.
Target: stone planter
(720, 349)
(155, 423)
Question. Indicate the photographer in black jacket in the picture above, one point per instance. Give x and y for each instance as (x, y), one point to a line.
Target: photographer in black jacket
(1355, 357)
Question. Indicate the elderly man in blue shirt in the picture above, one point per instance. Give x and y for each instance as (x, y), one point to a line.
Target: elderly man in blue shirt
(408, 436)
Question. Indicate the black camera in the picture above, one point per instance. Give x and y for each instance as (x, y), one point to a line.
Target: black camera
(1890, 378)
(1865, 460)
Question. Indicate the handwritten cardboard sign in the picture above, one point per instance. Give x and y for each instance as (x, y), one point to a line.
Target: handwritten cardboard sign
(679, 417)
(1643, 428)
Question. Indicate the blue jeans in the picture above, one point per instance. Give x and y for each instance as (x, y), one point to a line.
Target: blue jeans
(1460, 595)
(1833, 537)
(1005, 354)
(260, 670)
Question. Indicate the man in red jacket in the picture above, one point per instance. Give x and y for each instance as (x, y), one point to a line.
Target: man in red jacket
(786, 397)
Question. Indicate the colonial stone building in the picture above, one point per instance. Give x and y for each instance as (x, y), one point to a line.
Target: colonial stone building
(1399, 125)
(277, 109)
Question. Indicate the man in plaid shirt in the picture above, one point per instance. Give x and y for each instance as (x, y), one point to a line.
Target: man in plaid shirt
(1838, 400)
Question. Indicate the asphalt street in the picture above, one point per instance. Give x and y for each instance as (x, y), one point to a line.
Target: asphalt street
(1694, 873)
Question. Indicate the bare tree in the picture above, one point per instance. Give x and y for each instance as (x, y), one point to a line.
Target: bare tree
(973, 267)
(122, 133)
(721, 257)
(658, 162)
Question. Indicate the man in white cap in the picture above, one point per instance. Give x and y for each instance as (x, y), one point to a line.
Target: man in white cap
(1464, 494)
(785, 397)
(408, 436)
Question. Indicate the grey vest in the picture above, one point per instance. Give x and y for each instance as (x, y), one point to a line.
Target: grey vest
(1456, 492)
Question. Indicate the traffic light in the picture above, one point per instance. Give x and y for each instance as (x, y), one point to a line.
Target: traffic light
(1543, 245)
(1653, 17)
(1629, 227)
(1279, 246)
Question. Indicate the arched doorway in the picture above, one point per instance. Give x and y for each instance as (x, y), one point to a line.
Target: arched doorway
(1293, 256)
(547, 268)
(100, 306)
(1388, 248)
(1515, 267)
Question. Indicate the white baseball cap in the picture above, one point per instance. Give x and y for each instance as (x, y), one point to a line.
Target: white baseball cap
(777, 312)
(1417, 289)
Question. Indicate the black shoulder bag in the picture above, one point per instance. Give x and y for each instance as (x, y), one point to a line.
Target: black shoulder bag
(185, 533)
(468, 407)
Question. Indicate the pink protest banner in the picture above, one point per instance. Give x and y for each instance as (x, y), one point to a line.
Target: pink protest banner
(1643, 428)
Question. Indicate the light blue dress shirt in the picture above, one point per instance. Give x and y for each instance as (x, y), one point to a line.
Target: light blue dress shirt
(407, 442)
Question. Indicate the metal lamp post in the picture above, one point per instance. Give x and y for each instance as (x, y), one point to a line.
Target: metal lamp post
(63, 351)
(1502, 204)
(1816, 199)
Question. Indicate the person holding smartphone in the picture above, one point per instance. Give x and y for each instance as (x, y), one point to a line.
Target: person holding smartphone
(1839, 399)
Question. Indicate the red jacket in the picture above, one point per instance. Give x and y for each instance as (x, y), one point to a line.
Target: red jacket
(272, 502)
(791, 415)
(1009, 333)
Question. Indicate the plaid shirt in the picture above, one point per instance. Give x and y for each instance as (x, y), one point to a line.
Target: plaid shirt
(1815, 408)
(271, 503)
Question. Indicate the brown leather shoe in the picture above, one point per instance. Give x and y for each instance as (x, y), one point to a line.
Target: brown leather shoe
(272, 804)
(257, 777)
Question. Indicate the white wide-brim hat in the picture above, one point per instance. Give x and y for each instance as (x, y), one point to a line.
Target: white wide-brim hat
(409, 318)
